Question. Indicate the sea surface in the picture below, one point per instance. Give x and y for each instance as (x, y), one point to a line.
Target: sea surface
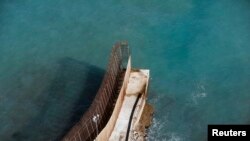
(53, 54)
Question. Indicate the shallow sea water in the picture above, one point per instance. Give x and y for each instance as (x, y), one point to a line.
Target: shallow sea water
(53, 55)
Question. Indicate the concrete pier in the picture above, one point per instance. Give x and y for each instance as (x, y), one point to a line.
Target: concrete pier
(135, 114)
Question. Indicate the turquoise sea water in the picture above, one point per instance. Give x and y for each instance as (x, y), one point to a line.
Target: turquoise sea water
(198, 52)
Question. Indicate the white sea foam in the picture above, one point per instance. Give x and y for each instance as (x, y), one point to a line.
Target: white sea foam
(175, 137)
(155, 130)
(158, 129)
(199, 93)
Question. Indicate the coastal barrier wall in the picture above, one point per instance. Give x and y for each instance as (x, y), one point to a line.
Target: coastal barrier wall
(101, 109)
(106, 132)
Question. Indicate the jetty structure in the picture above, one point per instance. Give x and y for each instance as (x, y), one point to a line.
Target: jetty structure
(119, 111)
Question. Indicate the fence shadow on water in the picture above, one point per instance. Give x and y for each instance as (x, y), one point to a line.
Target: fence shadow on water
(63, 102)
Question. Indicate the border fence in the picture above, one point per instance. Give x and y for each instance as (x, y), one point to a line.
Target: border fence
(99, 112)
